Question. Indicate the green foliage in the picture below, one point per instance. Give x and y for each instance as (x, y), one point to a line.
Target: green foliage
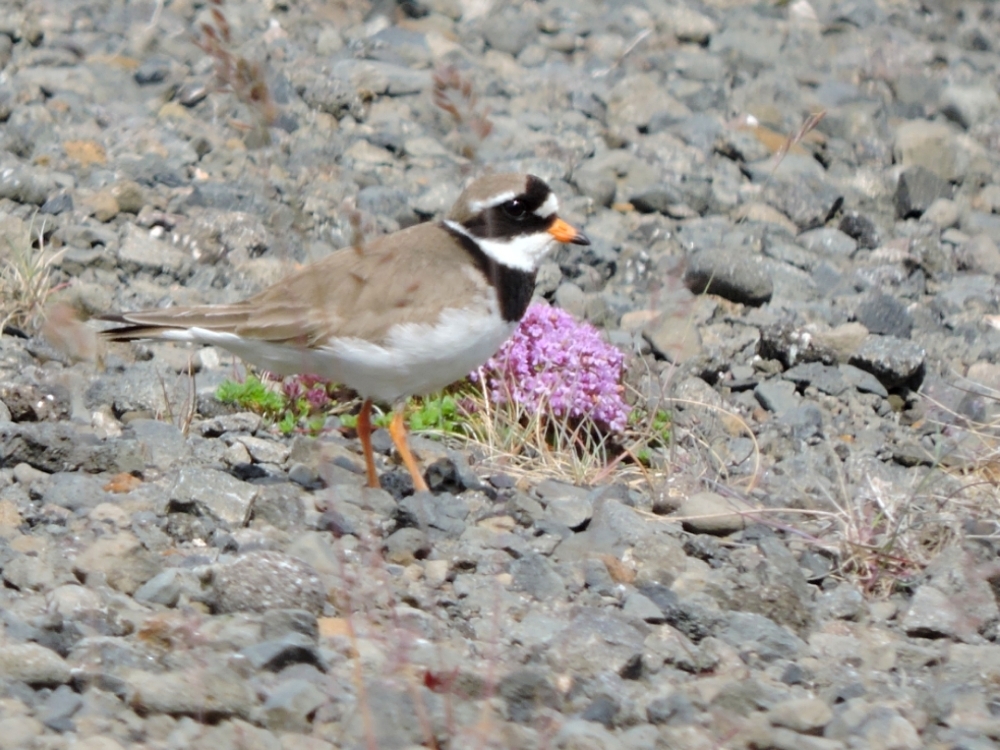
(251, 395)
(652, 428)
(440, 413)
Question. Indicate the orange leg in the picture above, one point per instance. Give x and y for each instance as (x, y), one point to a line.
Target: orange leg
(398, 431)
(365, 433)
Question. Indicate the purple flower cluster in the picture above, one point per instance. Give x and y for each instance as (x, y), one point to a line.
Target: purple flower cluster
(555, 363)
(310, 390)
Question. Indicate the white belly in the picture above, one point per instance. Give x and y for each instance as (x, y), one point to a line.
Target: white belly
(415, 359)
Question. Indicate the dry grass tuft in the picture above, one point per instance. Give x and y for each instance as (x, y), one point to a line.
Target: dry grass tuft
(26, 268)
(245, 78)
(454, 95)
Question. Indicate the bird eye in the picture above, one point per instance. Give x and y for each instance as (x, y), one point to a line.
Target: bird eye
(515, 209)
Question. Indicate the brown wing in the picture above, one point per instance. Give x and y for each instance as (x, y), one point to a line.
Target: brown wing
(406, 277)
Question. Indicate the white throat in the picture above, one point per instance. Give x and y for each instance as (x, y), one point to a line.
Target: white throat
(524, 253)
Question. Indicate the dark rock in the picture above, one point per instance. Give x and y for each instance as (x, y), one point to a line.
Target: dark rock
(153, 70)
(689, 617)
(861, 228)
(53, 447)
(917, 189)
(34, 403)
(735, 276)
(893, 361)
(275, 655)
(526, 691)
(886, 315)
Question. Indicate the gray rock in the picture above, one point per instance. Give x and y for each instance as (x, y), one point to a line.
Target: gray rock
(167, 586)
(892, 360)
(59, 709)
(509, 32)
(980, 254)
(444, 512)
(579, 734)
(825, 378)
(33, 664)
(280, 505)
(860, 228)
(526, 691)
(863, 381)
(917, 189)
(979, 222)
(768, 640)
(805, 715)
(885, 315)
(373, 77)
(842, 603)
(406, 545)
(969, 105)
(264, 451)
(661, 198)
(777, 396)
(274, 655)
(932, 145)
(392, 203)
(163, 444)
(208, 492)
(278, 623)
(735, 276)
(259, 581)
(570, 511)
(210, 690)
(829, 242)
(33, 403)
(598, 641)
(74, 491)
(17, 732)
(953, 601)
(710, 513)
(60, 446)
(639, 607)
(24, 184)
(141, 251)
(809, 201)
(535, 575)
(290, 706)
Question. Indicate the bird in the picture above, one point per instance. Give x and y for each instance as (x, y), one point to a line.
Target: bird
(404, 314)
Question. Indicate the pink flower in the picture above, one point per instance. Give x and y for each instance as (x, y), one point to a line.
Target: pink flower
(554, 362)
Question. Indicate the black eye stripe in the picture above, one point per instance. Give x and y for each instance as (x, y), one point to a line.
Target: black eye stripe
(494, 223)
(535, 194)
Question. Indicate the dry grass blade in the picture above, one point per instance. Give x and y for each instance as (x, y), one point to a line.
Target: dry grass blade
(795, 138)
(789, 143)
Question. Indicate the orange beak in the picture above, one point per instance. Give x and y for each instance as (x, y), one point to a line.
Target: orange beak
(563, 232)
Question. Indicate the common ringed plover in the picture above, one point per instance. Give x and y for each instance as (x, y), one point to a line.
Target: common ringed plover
(406, 314)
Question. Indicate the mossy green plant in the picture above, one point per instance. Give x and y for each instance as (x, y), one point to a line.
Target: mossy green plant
(253, 395)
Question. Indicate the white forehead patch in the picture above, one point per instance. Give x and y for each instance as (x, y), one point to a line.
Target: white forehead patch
(496, 200)
(548, 208)
(524, 252)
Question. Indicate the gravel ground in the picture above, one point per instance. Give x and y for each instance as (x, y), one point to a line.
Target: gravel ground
(816, 303)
